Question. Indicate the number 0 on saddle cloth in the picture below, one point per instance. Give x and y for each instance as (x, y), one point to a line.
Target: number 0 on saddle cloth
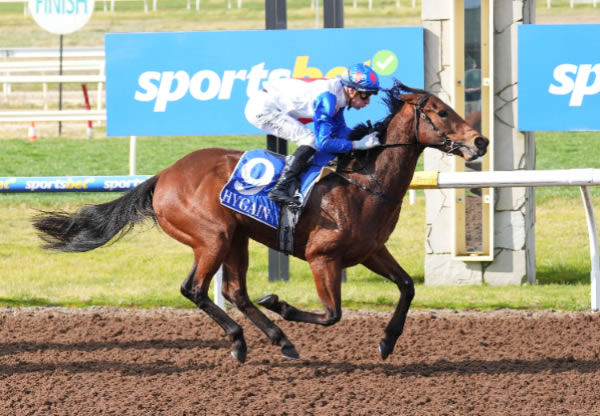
(252, 179)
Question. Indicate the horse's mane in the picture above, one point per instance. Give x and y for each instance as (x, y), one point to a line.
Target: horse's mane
(394, 102)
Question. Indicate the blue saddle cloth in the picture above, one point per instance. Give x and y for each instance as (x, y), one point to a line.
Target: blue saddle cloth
(252, 179)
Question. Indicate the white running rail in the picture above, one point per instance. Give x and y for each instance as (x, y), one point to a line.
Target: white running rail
(526, 178)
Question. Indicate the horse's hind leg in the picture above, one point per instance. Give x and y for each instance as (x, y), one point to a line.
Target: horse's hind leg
(195, 287)
(187, 212)
(235, 290)
(327, 274)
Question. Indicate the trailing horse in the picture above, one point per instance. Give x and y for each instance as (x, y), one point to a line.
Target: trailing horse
(347, 220)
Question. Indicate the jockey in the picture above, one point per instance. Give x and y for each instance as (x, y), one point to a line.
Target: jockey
(279, 108)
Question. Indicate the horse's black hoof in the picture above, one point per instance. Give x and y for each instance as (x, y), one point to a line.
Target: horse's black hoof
(384, 349)
(289, 351)
(239, 352)
(268, 301)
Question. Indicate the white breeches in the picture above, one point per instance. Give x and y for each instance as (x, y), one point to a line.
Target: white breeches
(262, 112)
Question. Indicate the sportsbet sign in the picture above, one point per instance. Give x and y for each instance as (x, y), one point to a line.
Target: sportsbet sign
(198, 83)
(559, 77)
(61, 16)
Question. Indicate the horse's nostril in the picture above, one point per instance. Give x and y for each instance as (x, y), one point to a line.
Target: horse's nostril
(481, 142)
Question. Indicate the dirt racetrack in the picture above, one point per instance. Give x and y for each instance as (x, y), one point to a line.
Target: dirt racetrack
(98, 361)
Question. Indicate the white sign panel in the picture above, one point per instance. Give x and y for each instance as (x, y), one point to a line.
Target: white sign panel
(61, 16)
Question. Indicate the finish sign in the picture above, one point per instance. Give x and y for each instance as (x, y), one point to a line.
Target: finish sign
(61, 16)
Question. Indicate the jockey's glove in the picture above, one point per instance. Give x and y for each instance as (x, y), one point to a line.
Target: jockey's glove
(369, 141)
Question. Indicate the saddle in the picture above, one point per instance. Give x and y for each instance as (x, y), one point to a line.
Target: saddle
(253, 177)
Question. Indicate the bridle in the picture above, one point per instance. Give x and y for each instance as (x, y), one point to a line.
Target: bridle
(420, 114)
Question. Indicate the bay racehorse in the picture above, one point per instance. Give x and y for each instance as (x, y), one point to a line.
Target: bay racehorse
(347, 220)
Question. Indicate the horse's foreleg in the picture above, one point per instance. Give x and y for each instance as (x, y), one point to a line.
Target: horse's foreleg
(328, 281)
(382, 263)
(195, 288)
(235, 290)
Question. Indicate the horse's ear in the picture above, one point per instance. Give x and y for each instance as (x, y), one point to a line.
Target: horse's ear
(400, 88)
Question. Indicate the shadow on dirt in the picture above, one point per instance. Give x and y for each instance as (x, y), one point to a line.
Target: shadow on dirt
(441, 367)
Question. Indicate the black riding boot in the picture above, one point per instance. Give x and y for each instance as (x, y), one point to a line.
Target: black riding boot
(289, 181)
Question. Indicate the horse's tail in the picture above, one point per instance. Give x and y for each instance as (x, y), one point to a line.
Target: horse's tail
(94, 225)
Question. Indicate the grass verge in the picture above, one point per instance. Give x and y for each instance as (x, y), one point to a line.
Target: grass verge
(146, 267)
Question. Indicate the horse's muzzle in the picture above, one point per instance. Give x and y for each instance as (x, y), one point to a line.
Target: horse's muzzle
(481, 143)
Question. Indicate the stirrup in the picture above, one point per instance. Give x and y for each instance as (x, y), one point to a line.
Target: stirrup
(278, 195)
(293, 203)
(287, 201)
(284, 199)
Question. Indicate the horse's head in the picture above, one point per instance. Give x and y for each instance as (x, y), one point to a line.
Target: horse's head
(437, 125)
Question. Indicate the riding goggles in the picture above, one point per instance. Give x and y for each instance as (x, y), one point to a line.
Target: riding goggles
(365, 95)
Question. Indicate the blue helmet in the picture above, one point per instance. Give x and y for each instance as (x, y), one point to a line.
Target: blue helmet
(362, 78)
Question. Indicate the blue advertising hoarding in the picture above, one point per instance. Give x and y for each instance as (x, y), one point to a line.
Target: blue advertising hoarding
(198, 83)
(70, 183)
(559, 77)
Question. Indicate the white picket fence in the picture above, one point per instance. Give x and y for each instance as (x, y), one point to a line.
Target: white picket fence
(30, 66)
(109, 5)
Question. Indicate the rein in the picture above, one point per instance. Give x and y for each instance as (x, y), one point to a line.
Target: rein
(369, 190)
(419, 114)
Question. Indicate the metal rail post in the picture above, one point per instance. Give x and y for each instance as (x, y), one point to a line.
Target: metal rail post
(275, 19)
(593, 236)
(333, 13)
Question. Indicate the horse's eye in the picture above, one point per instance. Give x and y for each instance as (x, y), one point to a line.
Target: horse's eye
(442, 113)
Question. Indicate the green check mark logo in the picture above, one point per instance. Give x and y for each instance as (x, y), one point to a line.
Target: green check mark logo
(385, 62)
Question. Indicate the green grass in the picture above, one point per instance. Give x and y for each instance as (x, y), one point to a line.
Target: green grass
(172, 15)
(106, 156)
(98, 157)
(566, 150)
(146, 268)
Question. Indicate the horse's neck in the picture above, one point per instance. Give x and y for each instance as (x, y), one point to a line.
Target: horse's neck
(395, 166)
